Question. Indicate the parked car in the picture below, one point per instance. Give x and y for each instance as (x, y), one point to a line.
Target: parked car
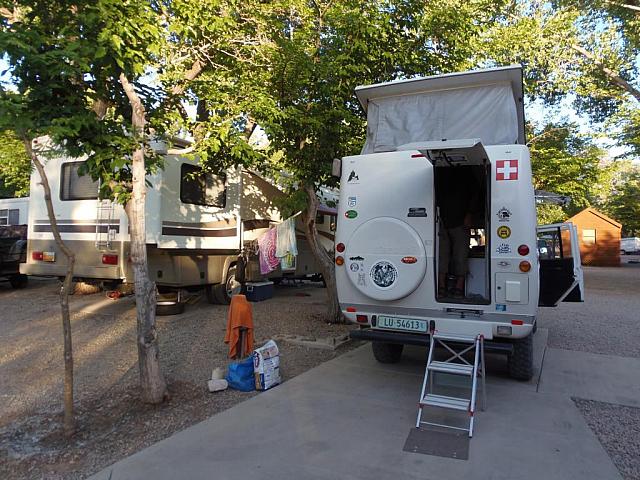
(13, 248)
(630, 245)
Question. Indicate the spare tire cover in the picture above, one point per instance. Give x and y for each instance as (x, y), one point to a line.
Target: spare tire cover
(385, 259)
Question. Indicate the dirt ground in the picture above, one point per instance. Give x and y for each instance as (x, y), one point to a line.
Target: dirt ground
(111, 422)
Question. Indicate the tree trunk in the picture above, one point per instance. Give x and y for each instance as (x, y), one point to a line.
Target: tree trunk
(153, 386)
(67, 284)
(324, 259)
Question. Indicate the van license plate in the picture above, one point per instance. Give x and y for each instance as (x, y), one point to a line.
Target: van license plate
(395, 323)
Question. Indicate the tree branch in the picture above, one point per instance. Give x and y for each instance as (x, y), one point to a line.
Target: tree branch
(624, 5)
(613, 76)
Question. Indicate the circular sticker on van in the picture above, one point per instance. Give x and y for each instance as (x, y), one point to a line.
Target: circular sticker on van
(383, 274)
(504, 231)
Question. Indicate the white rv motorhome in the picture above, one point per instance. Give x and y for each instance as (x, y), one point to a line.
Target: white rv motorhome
(424, 136)
(196, 226)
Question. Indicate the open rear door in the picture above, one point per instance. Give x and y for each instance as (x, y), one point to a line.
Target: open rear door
(450, 153)
(561, 278)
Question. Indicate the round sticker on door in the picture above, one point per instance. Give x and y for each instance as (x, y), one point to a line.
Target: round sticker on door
(383, 274)
(504, 231)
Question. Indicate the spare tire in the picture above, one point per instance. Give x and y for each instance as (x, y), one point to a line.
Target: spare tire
(168, 307)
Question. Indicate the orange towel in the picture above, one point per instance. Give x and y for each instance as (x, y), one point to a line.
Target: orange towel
(240, 315)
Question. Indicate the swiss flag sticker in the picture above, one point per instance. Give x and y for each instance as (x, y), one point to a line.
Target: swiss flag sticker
(506, 169)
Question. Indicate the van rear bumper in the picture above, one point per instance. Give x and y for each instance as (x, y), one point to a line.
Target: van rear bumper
(372, 335)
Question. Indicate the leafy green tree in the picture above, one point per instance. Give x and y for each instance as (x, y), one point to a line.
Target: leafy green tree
(77, 70)
(624, 203)
(296, 79)
(566, 163)
(15, 167)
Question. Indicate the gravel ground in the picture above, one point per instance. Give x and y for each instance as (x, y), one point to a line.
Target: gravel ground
(607, 322)
(618, 429)
(112, 423)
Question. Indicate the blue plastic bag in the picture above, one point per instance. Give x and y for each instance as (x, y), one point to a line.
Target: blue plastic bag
(240, 376)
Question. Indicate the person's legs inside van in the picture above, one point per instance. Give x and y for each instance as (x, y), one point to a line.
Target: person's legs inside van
(454, 251)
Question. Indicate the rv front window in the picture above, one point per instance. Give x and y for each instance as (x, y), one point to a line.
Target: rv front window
(74, 186)
(200, 188)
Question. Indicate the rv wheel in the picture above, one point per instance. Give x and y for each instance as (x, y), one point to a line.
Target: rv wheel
(210, 293)
(230, 288)
(521, 360)
(387, 352)
(19, 281)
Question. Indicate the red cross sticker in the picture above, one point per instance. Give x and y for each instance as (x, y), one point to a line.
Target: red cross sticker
(506, 169)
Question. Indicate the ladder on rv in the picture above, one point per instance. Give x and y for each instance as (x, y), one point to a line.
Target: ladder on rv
(104, 216)
(457, 346)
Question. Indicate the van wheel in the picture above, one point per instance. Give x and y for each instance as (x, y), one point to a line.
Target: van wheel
(18, 281)
(387, 352)
(521, 360)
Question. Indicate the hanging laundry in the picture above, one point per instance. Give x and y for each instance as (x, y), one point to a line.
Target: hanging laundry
(286, 238)
(267, 251)
(288, 262)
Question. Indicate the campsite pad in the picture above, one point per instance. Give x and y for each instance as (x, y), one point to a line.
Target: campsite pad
(438, 443)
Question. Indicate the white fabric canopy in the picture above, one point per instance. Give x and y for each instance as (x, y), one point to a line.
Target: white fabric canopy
(487, 112)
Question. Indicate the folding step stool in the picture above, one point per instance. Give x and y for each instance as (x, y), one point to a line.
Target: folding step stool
(457, 345)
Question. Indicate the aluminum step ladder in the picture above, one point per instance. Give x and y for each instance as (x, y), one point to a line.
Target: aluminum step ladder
(104, 218)
(457, 345)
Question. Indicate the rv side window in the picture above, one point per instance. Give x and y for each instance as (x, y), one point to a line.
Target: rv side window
(199, 188)
(4, 217)
(74, 186)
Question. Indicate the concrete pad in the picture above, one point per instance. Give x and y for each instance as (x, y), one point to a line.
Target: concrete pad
(349, 419)
(606, 378)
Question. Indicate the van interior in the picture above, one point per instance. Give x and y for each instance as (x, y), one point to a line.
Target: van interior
(462, 226)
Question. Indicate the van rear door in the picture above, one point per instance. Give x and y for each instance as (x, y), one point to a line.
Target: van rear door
(561, 277)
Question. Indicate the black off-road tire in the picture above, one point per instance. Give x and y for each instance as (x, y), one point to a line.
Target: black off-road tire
(387, 352)
(521, 360)
(18, 281)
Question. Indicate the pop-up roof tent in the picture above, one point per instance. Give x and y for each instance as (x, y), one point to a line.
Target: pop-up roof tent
(482, 104)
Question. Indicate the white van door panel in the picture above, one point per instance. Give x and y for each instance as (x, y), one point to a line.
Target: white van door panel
(561, 276)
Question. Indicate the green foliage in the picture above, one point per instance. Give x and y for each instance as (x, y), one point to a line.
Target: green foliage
(566, 163)
(624, 203)
(549, 213)
(298, 81)
(15, 166)
(65, 58)
(566, 48)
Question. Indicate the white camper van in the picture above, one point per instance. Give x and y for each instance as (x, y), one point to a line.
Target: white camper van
(196, 224)
(429, 139)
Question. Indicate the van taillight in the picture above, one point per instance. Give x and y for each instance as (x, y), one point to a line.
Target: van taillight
(362, 319)
(110, 259)
(37, 256)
